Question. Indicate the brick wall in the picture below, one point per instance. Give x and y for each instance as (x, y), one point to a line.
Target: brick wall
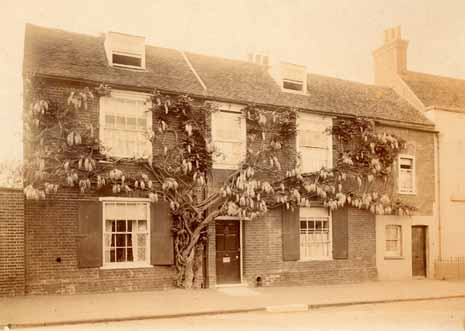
(51, 256)
(51, 228)
(11, 242)
(262, 255)
(421, 145)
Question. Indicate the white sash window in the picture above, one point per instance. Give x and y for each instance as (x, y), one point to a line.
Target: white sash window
(126, 233)
(406, 174)
(229, 138)
(315, 234)
(393, 240)
(313, 143)
(125, 122)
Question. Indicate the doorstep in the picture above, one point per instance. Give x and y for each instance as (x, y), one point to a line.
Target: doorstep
(243, 284)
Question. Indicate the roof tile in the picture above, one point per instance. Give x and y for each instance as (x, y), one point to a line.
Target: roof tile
(71, 55)
(435, 90)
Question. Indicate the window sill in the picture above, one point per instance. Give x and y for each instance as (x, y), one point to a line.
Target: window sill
(407, 193)
(315, 259)
(225, 166)
(394, 258)
(126, 266)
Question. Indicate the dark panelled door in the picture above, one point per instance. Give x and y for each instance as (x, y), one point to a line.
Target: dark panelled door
(228, 252)
(419, 250)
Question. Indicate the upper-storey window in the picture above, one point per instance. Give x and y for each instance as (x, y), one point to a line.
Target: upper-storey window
(125, 122)
(124, 50)
(294, 77)
(229, 136)
(406, 174)
(313, 143)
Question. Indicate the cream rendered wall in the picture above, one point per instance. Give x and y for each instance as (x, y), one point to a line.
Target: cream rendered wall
(390, 268)
(451, 127)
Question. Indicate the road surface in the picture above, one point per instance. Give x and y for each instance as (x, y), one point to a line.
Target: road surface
(438, 315)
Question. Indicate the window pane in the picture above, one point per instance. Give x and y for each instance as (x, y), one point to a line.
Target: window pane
(227, 127)
(121, 226)
(141, 123)
(295, 86)
(109, 121)
(130, 258)
(141, 240)
(108, 225)
(406, 163)
(231, 153)
(121, 255)
(120, 122)
(131, 123)
(120, 240)
(141, 253)
(126, 60)
(142, 226)
(113, 255)
(129, 240)
(313, 159)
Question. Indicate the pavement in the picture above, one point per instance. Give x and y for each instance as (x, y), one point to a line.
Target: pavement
(48, 310)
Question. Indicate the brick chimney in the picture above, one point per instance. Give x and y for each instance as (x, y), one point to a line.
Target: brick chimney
(390, 59)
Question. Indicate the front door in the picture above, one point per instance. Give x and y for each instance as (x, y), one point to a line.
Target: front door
(228, 252)
(419, 251)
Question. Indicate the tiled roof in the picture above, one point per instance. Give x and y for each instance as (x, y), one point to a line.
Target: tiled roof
(59, 53)
(435, 90)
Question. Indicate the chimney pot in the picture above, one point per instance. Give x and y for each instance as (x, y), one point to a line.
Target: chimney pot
(391, 58)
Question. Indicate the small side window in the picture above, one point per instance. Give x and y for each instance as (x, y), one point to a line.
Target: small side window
(393, 246)
(407, 174)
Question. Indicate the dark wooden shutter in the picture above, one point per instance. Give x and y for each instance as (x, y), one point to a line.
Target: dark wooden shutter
(340, 228)
(161, 237)
(90, 245)
(291, 236)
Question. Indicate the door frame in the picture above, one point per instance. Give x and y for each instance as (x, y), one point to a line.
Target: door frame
(241, 250)
(426, 232)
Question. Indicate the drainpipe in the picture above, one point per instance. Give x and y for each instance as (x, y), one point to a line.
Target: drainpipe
(438, 190)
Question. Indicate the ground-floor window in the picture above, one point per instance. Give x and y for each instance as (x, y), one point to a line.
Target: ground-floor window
(126, 233)
(315, 234)
(393, 240)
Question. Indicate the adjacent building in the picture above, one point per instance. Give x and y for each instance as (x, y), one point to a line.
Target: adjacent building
(442, 100)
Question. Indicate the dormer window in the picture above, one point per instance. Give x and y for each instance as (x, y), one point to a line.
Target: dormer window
(125, 51)
(294, 78)
(126, 60)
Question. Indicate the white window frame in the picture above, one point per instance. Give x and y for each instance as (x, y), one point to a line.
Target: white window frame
(126, 265)
(321, 211)
(285, 79)
(128, 95)
(327, 122)
(413, 191)
(396, 253)
(139, 56)
(218, 163)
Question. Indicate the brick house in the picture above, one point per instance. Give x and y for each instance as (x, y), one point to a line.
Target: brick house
(65, 250)
(442, 100)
